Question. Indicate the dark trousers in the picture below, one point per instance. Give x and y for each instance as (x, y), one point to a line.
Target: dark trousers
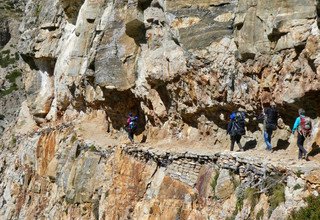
(130, 135)
(235, 138)
(302, 151)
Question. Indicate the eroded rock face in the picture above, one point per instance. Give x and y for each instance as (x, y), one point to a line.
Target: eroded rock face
(182, 67)
(57, 174)
(184, 63)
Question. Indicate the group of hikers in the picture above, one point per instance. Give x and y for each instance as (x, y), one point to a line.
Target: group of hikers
(236, 127)
(270, 115)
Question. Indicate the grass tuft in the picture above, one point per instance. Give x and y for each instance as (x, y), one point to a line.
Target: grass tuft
(214, 181)
(310, 212)
(276, 197)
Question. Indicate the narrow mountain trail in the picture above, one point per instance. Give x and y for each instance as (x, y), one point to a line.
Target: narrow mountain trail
(94, 131)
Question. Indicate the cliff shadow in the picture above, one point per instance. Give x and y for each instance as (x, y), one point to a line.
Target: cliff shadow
(310, 102)
(281, 145)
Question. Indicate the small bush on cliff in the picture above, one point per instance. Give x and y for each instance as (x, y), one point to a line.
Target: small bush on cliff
(276, 196)
(297, 186)
(93, 148)
(214, 181)
(12, 76)
(12, 88)
(310, 212)
(6, 59)
(73, 138)
(260, 215)
(252, 195)
(38, 9)
(13, 141)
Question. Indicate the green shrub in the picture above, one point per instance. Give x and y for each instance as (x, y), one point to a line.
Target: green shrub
(5, 59)
(310, 212)
(276, 196)
(260, 215)
(38, 10)
(12, 88)
(252, 195)
(12, 76)
(297, 186)
(73, 138)
(92, 148)
(239, 205)
(16, 55)
(299, 173)
(214, 181)
(6, 51)
(13, 140)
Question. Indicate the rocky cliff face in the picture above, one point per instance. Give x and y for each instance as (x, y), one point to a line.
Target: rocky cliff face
(182, 67)
(11, 85)
(60, 173)
(170, 61)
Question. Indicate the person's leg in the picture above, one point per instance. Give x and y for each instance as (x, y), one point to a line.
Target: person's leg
(238, 138)
(232, 142)
(299, 154)
(269, 138)
(130, 135)
(302, 151)
(266, 140)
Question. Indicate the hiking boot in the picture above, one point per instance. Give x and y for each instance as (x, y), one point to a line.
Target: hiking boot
(241, 150)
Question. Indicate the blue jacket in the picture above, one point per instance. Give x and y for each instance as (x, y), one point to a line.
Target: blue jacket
(296, 123)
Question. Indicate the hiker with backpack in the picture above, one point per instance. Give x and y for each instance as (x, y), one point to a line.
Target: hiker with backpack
(303, 125)
(270, 122)
(236, 128)
(131, 126)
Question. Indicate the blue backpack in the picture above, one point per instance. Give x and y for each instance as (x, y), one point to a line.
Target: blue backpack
(238, 124)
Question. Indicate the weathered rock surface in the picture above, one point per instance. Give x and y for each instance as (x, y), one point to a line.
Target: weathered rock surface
(182, 66)
(58, 174)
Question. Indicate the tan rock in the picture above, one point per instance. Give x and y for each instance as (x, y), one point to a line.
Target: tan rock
(225, 185)
(313, 177)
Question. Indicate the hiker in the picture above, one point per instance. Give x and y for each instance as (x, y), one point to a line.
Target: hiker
(303, 125)
(270, 122)
(236, 128)
(131, 126)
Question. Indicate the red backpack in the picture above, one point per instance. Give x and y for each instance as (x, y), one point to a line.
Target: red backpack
(305, 126)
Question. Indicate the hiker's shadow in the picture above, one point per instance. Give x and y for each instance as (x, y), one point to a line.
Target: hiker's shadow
(250, 145)
(315, 150)
(281, 145)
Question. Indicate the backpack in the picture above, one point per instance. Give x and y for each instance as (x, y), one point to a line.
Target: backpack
(271, 118)
(133, 123)
(237, 129)
(240, 116)
(305, 126)
(238, 123)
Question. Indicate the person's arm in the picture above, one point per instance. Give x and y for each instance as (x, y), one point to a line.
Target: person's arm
(296, 124)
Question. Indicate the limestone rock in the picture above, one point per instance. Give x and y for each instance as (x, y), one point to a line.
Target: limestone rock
(225, 185)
